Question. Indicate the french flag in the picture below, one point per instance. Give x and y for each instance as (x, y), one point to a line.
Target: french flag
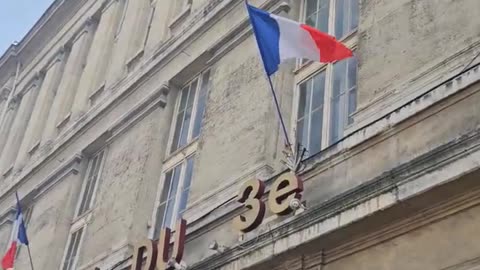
(279, 39)
(19, 236)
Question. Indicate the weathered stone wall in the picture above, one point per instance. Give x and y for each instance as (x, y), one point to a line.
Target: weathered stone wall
(451, 244)
(125, 197)
(402, 40)
(50, 223)
(235, 133)
(240, 131)
(5, 234)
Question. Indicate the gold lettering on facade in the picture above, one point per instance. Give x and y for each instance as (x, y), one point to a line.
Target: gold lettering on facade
(146, 248)
(157, 253)
(285, 188)
(250, 195)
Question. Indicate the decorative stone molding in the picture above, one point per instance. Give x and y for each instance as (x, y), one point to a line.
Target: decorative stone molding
(180, 18)
(70, 166)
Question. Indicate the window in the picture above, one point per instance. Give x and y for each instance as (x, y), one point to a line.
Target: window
(191, 107)
(91, 181)
(327, 99)
(83, 217)
(173, 193)
(72, 251)
(326, 102)
(336, 17)
(344, 97)
(176, 187)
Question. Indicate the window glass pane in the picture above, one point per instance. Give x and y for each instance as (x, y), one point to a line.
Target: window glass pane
(188, 173)
(72, 250)
(353, 14)
(183, 100)
(201, 105)
(178, 129)
(311, 7)
(339, 73)
(346, 17)
(166, 186)
(311, 20)
(316, 132)
(186, 185)
(352, 72)
(299, 131)
(352, 86)
(185, 127)
(352, 104)
(340, 19)
(205, 83)
(323, 16)
(335, 120)
(75, 248)
(175, 181)
(304, 99)
(192, 93)
(182, 126)
(91, 181)
(83, 203)
(318, 91)
(169, 217)
(302, 131)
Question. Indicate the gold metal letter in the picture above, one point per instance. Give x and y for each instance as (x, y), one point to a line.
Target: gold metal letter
(250, 195)
(178, 245)
(148, 247)
(285, 188)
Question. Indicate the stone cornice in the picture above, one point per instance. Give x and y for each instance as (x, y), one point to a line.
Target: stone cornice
(62, 37)
(68, 167)
(154, 99)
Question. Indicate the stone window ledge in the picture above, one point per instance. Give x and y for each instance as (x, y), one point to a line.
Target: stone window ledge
(96, 94)
(180, 17)
(8, 171)
(34, 147)
(64, 121)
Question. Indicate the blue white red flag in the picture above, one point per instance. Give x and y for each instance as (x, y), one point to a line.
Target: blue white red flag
(279, 39)
(19, 236)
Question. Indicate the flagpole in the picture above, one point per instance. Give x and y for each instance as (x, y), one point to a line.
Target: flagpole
(279, 113)
(277, 106)
(30, 257)
(28, 245)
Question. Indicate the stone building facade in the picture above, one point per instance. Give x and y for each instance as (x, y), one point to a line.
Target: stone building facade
(119, 116)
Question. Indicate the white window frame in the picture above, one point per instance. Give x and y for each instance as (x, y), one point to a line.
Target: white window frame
(331, 18)
(307, 70)
(102, 152)
(190, 139)
(180, 155)
(74, 229)
(180, 188)
(82, 219)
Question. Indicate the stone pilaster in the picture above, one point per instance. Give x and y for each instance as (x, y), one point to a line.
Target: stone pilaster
(131, 39)
(19, 125)
(36, 124)
(62, 105)
(159, 26)
(6, 124)
(98, 60)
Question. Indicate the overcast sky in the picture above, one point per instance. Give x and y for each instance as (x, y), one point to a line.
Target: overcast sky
(17, 17)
